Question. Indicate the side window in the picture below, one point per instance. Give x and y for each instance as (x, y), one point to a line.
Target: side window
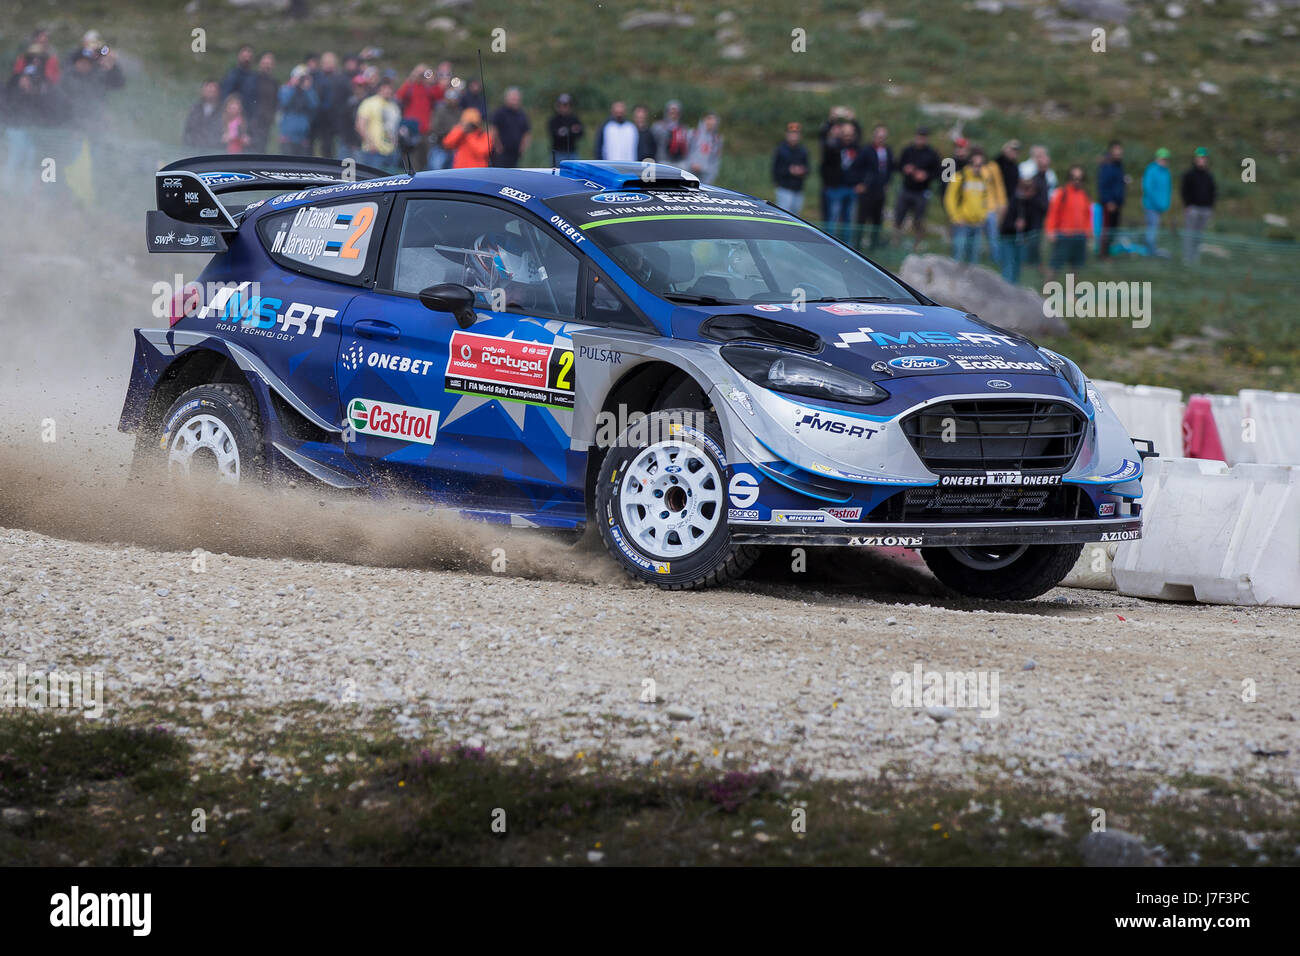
(510, 264)
(606, 307)
(335, 238)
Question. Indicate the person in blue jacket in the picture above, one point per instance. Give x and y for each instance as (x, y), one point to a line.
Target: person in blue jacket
(1111, 186)
(790, 169)
(298, 105)
(1157, 194)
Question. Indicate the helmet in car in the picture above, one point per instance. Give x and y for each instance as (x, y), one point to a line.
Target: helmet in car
(499, 258)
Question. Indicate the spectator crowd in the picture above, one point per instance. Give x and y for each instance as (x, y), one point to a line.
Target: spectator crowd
(44, 91)
(1006, 203)
(351, 106)
(335, 106)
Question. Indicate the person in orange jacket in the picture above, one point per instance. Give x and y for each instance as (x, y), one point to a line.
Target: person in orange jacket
(1069, 222)
(470, 144)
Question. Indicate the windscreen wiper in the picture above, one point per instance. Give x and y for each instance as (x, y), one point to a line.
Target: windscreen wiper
(697, 299)
(855, 298)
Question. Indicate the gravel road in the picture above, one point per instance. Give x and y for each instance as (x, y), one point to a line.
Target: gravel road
(770, 675)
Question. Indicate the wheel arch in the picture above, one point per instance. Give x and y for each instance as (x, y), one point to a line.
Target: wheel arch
(193, 367)
(202, 365)
(649, 386)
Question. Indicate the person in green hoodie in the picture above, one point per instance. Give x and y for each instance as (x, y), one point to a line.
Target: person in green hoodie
(1157, 193)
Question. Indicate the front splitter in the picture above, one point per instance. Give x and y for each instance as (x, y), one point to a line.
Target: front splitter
(955, 535)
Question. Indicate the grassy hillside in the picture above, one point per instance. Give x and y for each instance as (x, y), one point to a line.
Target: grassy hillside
(1224, 74)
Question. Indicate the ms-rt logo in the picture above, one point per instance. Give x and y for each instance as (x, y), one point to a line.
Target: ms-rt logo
(834, 426)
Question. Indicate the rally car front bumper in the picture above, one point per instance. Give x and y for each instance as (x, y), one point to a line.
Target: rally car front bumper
(949, 535)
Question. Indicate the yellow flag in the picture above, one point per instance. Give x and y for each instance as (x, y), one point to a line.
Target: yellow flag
(79, 174)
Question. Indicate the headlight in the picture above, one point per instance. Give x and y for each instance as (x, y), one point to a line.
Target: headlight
(797, 374)
(1071, 372)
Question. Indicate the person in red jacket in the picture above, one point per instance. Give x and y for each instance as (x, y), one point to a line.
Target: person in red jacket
(417, 97)
(470, 144)
(1069, 222)
(39, 60)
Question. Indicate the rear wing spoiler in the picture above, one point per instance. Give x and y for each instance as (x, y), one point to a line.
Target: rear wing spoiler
(191, 216)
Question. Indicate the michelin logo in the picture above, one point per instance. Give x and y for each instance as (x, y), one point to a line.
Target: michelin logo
(799, 517)
(1129, 469)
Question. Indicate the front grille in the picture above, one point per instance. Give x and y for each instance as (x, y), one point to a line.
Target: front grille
(979, 435)
(1056, 502)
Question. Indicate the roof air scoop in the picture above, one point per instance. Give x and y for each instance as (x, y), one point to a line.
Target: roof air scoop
(623, 175)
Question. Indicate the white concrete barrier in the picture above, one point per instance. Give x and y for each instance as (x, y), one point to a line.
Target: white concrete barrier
(1227, 420)
(1148, 411)
(1215, 534)
(1269, 427)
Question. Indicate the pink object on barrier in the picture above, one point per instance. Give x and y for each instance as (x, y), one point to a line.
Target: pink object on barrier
(1200, 433)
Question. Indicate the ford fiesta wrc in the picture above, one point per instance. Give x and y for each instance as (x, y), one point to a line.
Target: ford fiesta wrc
(693, 371)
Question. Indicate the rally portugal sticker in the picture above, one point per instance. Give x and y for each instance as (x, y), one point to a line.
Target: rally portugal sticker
(512, 370)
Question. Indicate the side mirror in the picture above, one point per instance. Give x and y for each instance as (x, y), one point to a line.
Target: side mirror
(451, 297)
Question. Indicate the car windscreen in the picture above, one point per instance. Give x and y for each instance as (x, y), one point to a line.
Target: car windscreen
(700, 247)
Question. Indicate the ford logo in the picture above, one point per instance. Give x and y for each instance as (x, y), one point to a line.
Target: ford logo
(220, 179)
(621, 197)
(914, 363)
(997, 383)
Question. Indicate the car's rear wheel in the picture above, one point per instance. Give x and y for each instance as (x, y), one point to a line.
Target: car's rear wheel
(661, 503)
(211, 434)
(1002, 572)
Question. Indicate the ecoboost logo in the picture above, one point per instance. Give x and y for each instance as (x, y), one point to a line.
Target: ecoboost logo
(393, 421)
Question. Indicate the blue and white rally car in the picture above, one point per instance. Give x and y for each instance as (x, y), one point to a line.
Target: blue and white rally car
(694, 370)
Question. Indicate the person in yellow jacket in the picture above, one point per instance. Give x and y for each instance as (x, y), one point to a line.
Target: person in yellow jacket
(976, 192)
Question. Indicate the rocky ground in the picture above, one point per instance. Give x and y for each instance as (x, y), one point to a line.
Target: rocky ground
(774, 674)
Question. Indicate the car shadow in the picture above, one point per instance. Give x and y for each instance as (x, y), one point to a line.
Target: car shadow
(881, 575)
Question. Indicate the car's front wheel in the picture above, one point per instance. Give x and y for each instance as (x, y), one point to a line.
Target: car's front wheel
(211, 433)
(661, 503)
(1003, 572)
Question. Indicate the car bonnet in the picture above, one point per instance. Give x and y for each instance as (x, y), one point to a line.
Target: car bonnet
(881, 340)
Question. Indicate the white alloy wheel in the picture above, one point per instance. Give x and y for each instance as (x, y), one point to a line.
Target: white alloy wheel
(671, 499)
(205, 445)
